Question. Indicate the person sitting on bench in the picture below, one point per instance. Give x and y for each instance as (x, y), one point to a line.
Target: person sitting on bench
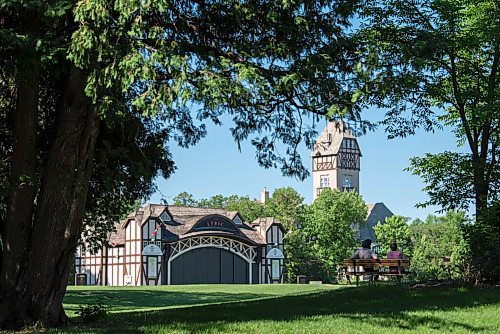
(366, 253)
(394, 253)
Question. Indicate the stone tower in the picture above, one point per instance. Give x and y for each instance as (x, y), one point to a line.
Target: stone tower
(335, 159)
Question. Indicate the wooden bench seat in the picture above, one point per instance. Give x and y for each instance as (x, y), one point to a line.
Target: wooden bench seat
(354, 267)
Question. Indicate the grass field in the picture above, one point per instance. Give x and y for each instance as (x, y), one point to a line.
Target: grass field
(291, 309)
(147, 298)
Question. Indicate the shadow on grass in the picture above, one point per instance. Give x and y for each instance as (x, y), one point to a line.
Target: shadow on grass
(385, 307)
(132, 299)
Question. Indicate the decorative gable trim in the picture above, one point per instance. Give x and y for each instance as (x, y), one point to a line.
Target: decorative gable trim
(215, 223)
(237, 219)
(166, 217)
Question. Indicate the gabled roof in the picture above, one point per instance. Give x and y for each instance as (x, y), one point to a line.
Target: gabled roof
(264, 223)
(183, 220)
(195, 211)
(377, 212)
(330, 140)
(117, 237)
(261, 226)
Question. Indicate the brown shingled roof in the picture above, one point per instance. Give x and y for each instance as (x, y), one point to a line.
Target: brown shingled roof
(333, 134)
(117, 237)
(185, 218)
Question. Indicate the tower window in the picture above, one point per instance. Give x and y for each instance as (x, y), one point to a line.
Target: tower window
(347, 184)
(324, 181)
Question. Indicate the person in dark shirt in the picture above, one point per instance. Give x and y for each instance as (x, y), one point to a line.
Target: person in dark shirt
(365, 253)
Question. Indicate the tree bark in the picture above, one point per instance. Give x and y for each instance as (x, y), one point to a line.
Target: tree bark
(22, 192)
(36, 292)
(481, 186)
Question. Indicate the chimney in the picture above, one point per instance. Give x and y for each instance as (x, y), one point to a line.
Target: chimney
(264, 196)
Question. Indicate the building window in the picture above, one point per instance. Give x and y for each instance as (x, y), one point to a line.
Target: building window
(347, 181)
(347, 184)
(349, 143)
(165, 217)
(237, 220)
(324, 181)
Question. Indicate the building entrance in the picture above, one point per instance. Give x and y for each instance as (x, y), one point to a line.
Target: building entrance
(209, 265)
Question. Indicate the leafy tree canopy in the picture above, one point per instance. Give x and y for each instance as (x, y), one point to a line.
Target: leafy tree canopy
(330, 225)
(287, 206)
(184, 199)
(395, 229)
(93, 93)
(432, 63)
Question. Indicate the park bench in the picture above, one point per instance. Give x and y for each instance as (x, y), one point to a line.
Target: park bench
(354, 267)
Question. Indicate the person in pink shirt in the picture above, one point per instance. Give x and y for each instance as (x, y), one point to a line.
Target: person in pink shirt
(394, 253)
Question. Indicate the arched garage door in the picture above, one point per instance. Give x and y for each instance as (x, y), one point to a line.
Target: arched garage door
(209, 265)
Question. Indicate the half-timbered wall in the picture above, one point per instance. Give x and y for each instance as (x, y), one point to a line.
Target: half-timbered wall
(118, 265)
(335, 161)
(326, 162)
(132, 269)
(122, 263)
(148, 229)
(89, 264)
(114, 261)
(274, 239)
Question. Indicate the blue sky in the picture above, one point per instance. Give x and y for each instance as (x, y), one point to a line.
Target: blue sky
(215, 166)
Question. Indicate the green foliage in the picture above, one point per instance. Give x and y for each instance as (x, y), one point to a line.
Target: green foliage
(440, 249)
(97, 310)
(432, 63)
(184, 199)
(174, 61)
(131, 152)
(250, 209)
(448, 177)
(287, 206)
(157, 71)
(483, 239)
(216, 201)
(328, 233)
(395, 229)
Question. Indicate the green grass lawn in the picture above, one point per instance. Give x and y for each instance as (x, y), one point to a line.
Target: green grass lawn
(291, 309)
(147, 298)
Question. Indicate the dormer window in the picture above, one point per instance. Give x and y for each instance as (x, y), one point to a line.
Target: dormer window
(165, 217)
(237, 220)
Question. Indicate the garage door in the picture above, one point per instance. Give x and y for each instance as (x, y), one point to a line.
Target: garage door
(209, 266)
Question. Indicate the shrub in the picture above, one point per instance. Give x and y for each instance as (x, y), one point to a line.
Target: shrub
(440, 250)
(483, 239)
(93, 312)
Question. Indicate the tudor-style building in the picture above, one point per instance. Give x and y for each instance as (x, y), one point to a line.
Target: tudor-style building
(162, 244)
(336, 164)
(335, 160)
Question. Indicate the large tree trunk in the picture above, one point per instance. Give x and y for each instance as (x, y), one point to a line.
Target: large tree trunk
(18, 219)
(481, 185)
(34, 283)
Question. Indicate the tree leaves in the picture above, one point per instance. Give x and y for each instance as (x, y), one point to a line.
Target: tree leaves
(448, 177)
(435, 63)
